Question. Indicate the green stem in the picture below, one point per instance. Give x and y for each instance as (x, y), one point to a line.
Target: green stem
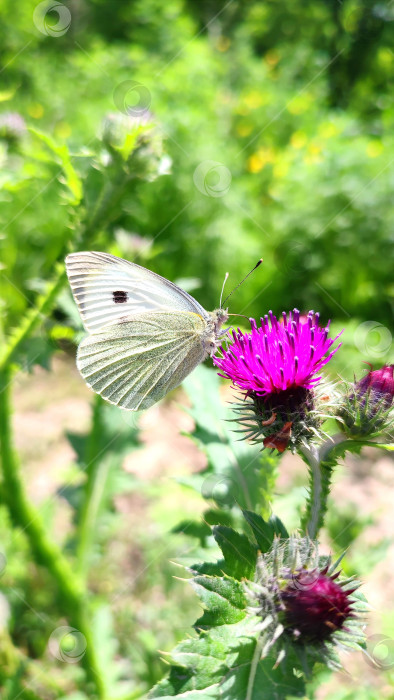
(316, 504)
(253, 667)
(320, 472)
(33, 318)
(45, 552)
(96, 478)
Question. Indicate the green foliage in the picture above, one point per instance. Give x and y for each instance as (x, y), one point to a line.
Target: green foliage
(293, 101)
(237, 475)
(225, 658)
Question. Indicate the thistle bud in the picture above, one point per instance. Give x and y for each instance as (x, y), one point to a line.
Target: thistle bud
(315, 606)
(136, 143)
(379, 385)
(367, 409)
(301, 600)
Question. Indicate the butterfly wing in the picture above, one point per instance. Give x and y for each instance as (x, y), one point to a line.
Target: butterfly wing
(107, 289)
(134, 363)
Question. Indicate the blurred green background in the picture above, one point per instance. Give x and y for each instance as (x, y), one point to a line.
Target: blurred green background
(293, 99)
(278, 128)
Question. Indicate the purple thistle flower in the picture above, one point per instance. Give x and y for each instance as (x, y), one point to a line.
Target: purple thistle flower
(314, 606)
(305, 603)
(278, 355)
(277, 366)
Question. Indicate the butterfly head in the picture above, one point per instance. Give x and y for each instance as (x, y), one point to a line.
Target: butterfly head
(214, 333)
(220, 316)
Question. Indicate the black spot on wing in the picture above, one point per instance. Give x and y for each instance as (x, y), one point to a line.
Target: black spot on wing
(120, 297)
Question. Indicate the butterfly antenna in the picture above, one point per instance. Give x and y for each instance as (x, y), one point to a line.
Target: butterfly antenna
(221, 293)
(241, 282)
(241, 316)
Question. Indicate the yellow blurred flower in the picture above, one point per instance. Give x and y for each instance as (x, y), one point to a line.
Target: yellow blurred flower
(272, 57)
(62, 130)
(36, 110)
(300, 103)
(258, 160)
(374, 149)
(327, 130)
(254, 99)
(223, 43)
(313, 155)
(244, 128)
(298, 139)
(281, 168)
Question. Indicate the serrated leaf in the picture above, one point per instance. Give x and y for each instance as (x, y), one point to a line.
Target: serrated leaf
(238, 473)
(262, 530)
(239, 553)
(221, 664)
(78, 443)
(223, 598)
(72, 179)
(278, 527)
(209, 568)
(216, 516)
(194, 528)
(36, 350)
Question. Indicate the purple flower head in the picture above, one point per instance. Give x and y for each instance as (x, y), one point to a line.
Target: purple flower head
(378, 386)
(304, 602)
(277, 366)
(278, 356)
(316, 606)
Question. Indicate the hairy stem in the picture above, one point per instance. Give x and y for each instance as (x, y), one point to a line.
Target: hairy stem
(45, 552)
(96, 479)
(253, 668)
(320, 471)
(315, 504)
(33, 317)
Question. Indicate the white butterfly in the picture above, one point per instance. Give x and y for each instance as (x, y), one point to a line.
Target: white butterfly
(146, 334)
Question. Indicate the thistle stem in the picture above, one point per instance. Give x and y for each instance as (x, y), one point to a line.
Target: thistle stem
(321, 466)
(45, 552)
(253, 667)
(315, 503)
(96, 479)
